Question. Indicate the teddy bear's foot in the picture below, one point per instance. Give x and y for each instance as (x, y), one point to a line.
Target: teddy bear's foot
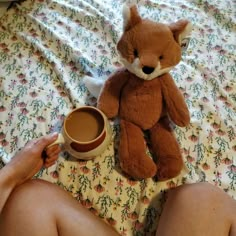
(139, 171)
(169, 167)
(132, 152)
(166, 148)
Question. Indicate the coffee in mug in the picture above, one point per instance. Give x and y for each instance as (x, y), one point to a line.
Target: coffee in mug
(86, 132)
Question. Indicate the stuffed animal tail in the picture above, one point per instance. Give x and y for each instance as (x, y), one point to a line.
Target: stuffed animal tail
(93, 85)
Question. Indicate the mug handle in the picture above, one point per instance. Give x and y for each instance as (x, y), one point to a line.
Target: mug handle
(60, 140)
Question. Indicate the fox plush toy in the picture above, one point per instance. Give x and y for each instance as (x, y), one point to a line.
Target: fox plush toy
(145, 98)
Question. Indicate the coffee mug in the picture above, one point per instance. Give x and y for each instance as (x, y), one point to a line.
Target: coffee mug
(86, 133)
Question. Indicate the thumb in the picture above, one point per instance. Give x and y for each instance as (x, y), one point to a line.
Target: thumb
(47, 140)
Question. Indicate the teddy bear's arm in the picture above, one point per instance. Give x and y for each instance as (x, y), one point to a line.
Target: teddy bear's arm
(176, 106)
(109, 98)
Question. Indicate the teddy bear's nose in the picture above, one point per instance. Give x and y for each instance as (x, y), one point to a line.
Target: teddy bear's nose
(147, 70)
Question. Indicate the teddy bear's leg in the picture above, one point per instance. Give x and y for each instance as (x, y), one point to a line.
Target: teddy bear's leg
(132, 152)
(166, 148)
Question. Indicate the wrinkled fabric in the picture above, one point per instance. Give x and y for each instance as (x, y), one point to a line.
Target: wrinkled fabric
(48, 47)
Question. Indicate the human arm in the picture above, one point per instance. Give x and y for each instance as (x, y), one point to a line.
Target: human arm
(26, 164)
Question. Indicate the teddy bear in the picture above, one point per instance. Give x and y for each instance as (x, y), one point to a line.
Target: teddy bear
(145, 98)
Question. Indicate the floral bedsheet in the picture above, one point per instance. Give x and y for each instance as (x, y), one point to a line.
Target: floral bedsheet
(47, 48)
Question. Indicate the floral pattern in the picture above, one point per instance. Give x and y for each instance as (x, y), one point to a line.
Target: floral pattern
(47, 48)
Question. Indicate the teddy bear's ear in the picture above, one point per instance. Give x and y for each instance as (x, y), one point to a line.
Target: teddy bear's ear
(180, 29)
(131, 16)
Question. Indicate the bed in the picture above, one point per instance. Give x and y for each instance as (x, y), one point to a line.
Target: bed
(48, 48)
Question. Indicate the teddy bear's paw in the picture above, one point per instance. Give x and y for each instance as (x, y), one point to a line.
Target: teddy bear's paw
(169, 168)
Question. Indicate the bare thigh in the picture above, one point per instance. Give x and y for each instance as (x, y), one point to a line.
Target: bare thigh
(198, 210)
(40, 208)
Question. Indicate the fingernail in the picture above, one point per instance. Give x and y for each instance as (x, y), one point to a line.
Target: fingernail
(53, 135)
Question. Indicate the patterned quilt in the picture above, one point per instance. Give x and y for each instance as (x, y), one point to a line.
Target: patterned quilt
(48, 47)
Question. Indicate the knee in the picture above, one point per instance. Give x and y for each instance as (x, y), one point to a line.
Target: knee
(29, 204)
(198, 193)
(31, 191)
(34, 194)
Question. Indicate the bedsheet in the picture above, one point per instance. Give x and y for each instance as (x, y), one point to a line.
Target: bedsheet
(48, 47)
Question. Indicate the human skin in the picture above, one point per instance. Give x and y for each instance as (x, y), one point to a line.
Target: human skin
(26, 163)
(36, 207)
(196, 210)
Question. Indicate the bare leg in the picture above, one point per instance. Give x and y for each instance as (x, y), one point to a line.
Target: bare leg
(197, 210)
(41, 208)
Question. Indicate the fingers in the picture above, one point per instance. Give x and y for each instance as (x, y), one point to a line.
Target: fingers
(46, 140)
(50, 162)
(37, 148)
(52, 149)
(52, 155)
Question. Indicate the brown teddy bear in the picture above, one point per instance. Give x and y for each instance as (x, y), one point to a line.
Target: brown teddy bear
(144, 96)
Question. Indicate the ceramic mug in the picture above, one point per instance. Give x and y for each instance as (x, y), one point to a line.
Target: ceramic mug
(86, 133)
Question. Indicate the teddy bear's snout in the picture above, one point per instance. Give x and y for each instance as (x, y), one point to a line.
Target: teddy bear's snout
(148, 70)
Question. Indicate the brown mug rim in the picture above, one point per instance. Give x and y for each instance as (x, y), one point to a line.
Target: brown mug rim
(101, 135)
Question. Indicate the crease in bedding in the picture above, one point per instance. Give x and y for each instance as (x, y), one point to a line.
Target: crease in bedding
(47, 49)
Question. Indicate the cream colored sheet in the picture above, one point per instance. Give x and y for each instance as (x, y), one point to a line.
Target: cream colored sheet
(48, 47)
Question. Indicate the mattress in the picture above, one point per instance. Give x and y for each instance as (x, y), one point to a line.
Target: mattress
(48, 48)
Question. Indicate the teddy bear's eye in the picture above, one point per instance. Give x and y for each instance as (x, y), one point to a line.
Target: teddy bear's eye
(135, 53)
(161, 57)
